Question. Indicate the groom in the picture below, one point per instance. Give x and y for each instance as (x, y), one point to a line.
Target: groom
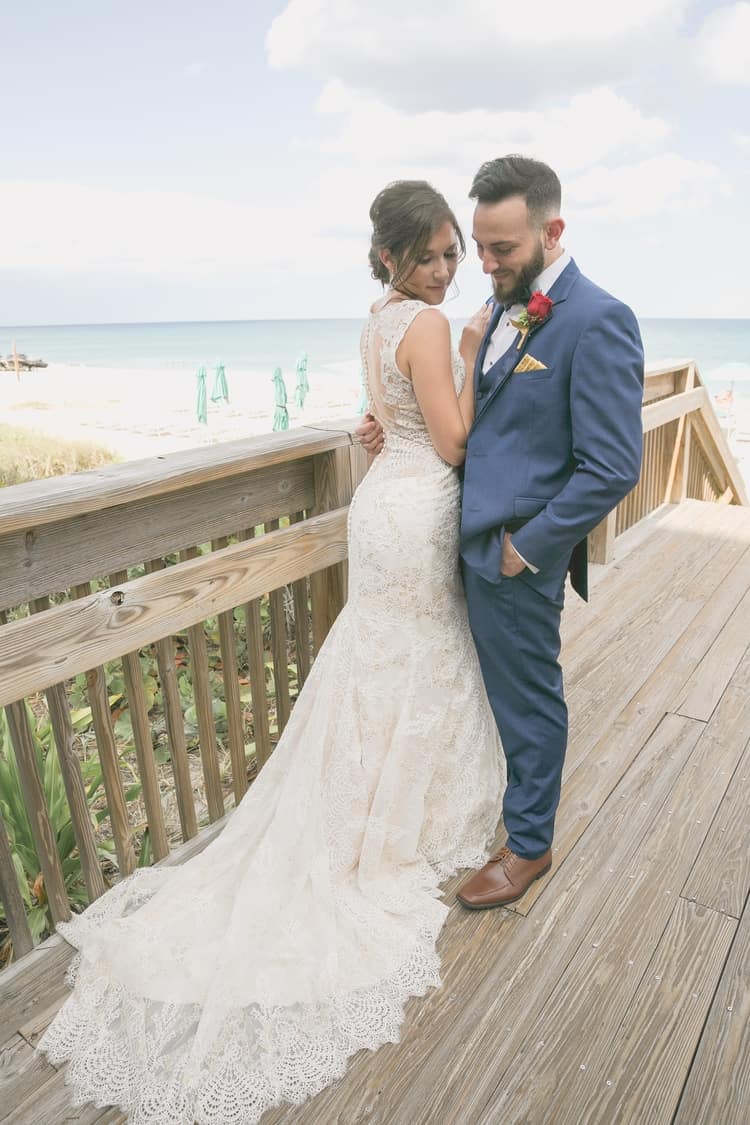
(555, 445)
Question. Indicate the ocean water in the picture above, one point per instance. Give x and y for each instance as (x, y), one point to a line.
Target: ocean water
(721, 348)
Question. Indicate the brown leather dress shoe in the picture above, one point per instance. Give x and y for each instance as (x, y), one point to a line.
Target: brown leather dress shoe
(503, 880)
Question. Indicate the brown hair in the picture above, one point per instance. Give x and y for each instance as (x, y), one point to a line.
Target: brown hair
(519, 175)
(405, 215)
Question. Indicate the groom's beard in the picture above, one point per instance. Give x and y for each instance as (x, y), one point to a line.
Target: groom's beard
(517, 290)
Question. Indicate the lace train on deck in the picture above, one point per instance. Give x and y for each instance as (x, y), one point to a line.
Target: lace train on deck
(158, 1062)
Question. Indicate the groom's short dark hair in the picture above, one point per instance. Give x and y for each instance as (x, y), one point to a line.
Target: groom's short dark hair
(519, 175)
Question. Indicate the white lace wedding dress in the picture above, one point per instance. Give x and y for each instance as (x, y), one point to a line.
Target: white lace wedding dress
(212, 991)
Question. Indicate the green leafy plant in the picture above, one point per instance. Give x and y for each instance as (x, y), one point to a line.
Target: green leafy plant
(25, 858)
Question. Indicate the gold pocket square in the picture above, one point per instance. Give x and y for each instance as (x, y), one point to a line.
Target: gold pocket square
(528, 363)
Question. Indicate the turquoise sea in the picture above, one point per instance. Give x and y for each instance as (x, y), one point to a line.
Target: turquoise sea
(720, 347)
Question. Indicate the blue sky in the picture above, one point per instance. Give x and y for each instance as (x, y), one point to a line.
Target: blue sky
(163, 163)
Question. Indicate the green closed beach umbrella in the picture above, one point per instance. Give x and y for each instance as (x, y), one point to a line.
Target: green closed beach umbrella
(201, 405)
(280, 414)
(303, 386)
(220, 392)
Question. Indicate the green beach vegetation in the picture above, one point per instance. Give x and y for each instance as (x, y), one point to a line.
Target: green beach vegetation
(28, 455)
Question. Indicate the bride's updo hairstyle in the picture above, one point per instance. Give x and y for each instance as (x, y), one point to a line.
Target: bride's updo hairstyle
(405, 215)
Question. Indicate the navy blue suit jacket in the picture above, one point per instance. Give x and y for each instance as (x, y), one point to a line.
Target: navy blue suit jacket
(557, 447)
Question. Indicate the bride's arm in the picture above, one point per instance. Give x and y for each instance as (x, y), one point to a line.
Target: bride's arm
(425, 356)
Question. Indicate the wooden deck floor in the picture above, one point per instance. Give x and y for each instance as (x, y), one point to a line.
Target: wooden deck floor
(619, 990)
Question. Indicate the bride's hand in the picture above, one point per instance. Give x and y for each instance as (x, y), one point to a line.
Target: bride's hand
(473, 334)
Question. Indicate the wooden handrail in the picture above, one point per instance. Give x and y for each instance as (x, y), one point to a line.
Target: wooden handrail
(40, 651)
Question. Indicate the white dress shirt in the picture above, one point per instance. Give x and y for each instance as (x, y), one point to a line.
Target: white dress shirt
(505, 334)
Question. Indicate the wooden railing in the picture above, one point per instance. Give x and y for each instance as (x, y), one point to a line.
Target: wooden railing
(685, 455)
(111, 582)
(135, 564)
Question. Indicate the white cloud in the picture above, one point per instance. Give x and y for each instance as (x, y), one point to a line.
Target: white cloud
(722, 47)
(427, 53)
(79, 228)
(585, 130)
(668, 184)
(195, 69)
(603, 147)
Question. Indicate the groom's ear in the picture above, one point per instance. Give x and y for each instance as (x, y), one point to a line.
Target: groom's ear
(553, 230)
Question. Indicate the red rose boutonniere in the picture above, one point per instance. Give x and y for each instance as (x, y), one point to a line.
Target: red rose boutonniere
(536, 311)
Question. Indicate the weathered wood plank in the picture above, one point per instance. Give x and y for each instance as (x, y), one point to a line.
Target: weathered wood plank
(204, 707)
(75, 791)
(22, 1071)
(170, 692)
(718, 1086)
(721, 876)
(58, 555)
(117, 809)
(35, 982)
(144, 747)
(232, 701)
(658, 385)
(642, 1074)
(704, 688)
(620, 587)
(67, 639)
(11, 899)
(585, 787)
(608, 725)
(333, 489)
(715, 449)
(601, 541)
(31, 505)
(279, 650)
(300, 598)
(657, 414)
(36, 808)
(50, 1104)
(596, 989)
(257, 670)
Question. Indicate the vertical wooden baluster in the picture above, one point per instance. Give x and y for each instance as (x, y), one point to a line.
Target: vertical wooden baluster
(204, 710)
(15, 913)
(96, 692)
(170, 694)
(36, 807)
(279, 650)
(75, 790)
(301, 621)
(257, 671)
(333, 489)
(144, 746)
(235, 727)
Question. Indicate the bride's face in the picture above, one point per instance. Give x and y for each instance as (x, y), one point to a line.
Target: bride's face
(433, 273)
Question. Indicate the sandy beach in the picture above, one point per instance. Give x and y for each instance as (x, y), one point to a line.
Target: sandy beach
(138, 412)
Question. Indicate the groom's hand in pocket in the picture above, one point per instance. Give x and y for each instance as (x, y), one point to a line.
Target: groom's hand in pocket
(511, 563)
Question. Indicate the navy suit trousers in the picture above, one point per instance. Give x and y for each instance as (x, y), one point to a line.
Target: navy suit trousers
(517, 633)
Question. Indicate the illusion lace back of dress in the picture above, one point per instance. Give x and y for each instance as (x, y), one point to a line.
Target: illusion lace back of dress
(390, 394)
(249, 976)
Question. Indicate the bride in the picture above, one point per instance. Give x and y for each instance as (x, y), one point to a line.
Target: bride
(212, 991)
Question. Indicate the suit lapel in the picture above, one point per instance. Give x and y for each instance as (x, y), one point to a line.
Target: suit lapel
(479, 363)
(501, 371)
